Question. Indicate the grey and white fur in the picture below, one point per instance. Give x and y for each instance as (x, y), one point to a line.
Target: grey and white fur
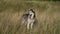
(29, 18)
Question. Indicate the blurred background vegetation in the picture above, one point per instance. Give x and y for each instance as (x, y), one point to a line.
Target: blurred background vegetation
(47, 14)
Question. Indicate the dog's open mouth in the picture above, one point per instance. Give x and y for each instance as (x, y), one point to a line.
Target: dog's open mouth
(30, 15)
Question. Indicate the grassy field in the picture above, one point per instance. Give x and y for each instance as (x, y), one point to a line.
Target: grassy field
(47, 14)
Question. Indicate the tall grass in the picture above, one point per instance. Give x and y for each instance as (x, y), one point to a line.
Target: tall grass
(47, 14)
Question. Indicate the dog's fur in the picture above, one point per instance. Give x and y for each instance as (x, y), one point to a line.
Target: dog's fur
(29, 18)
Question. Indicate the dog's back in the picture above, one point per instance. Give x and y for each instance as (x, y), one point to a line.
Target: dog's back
(25, 16)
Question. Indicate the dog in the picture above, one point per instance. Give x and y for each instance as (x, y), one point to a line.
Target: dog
(29, 18)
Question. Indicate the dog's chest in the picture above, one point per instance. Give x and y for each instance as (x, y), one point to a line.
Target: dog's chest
(31, 20)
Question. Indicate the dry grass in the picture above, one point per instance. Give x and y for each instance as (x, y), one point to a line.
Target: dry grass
(47, 14)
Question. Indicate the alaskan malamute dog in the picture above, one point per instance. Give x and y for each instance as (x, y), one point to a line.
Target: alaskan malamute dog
(29, 19)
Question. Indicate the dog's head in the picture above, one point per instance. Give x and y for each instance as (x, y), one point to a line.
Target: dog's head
(31, 13)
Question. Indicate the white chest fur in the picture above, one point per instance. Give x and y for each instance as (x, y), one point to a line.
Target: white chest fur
(32, 15)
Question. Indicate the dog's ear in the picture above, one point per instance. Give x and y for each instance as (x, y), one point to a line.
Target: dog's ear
(30, 9)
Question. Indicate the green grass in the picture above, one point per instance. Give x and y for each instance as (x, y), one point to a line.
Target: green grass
(47, 14)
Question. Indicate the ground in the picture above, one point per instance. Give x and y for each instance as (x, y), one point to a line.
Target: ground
(47, 14)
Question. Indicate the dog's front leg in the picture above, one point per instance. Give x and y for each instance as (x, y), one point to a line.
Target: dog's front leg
(31, 25)
(28, 26)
